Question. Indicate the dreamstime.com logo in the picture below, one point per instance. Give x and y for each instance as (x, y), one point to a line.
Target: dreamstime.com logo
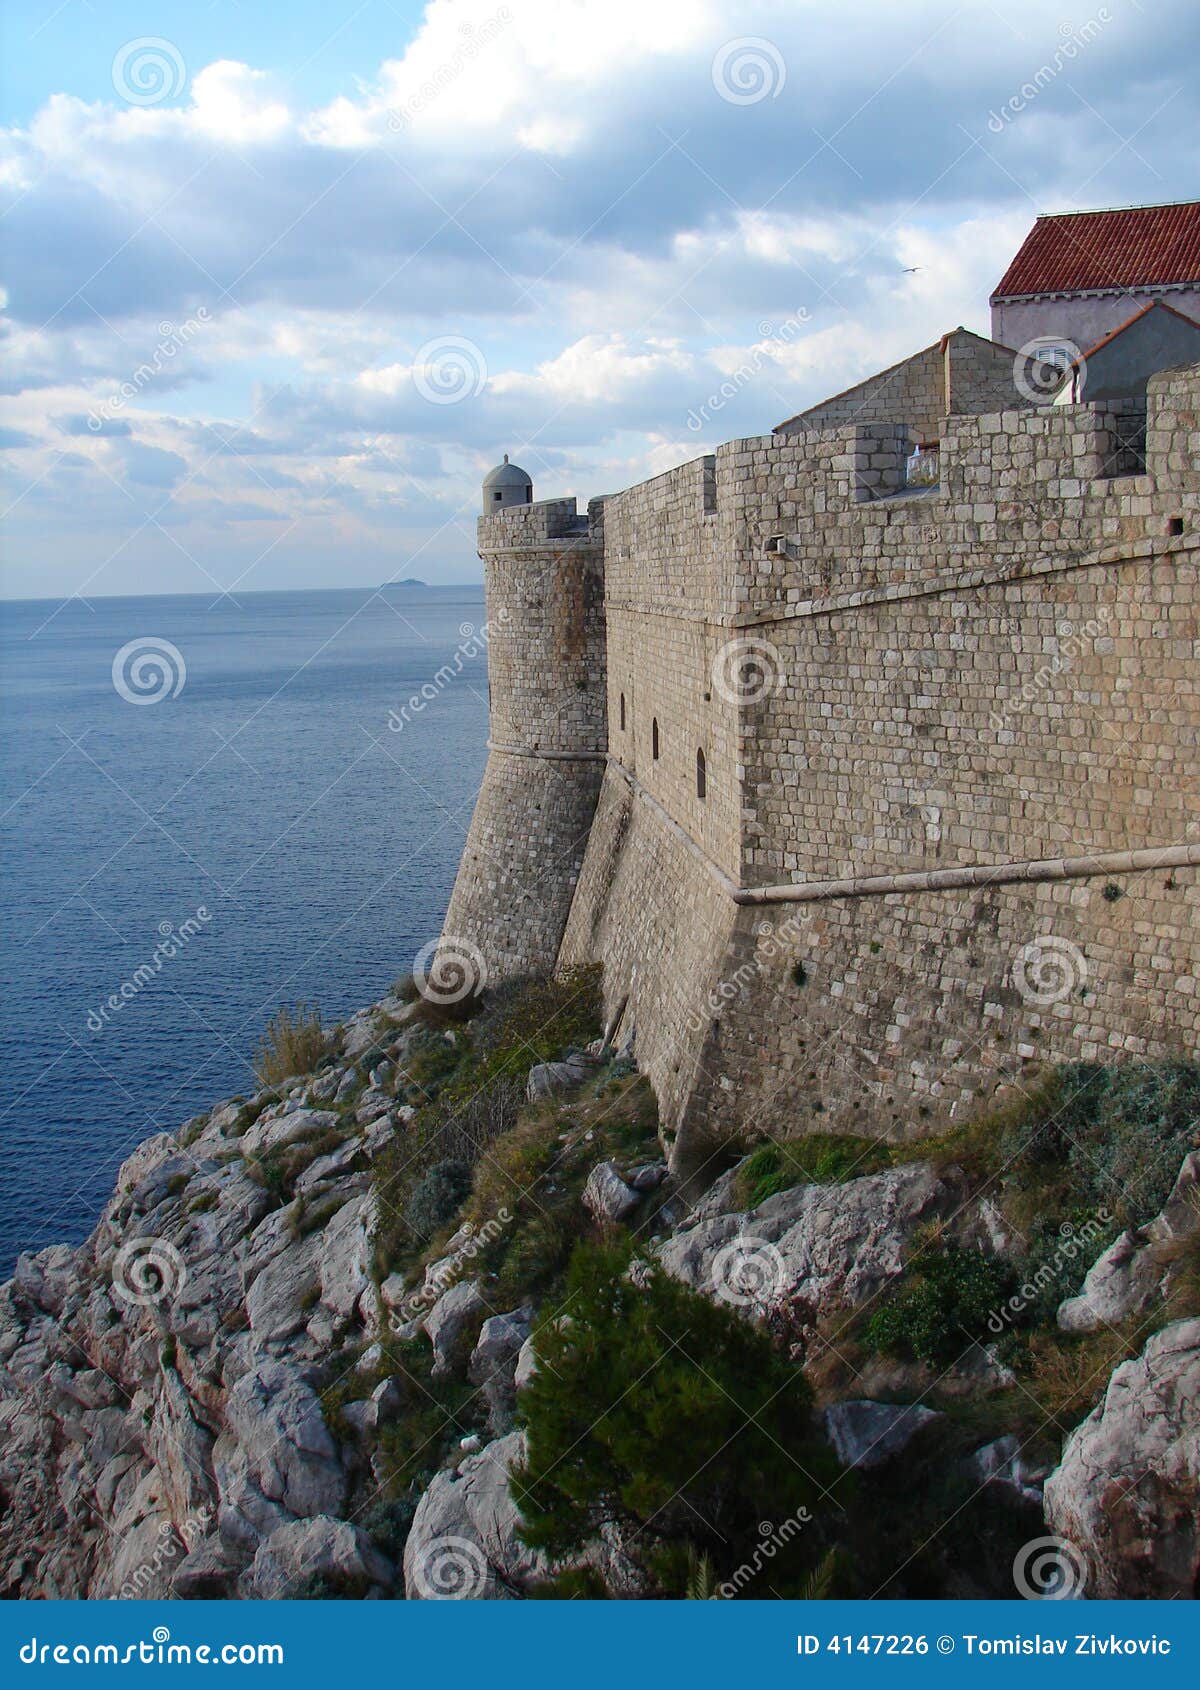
(450, 1569)
(449, 1269)
(149, 70)
(1073, 643)
(171, 941)
(771, 1540)
(772, 942)
(1048, 970)
(147, 1272)
(763, 352)
(449, 969)
(173, 339)
(149, 669)
(449, 369)
(747, 70)
(1049, 1569)
(749, 1273)
(174, 1541)
(157, 1650)
(747, 671)
(475, 38)
(1072, 40)
(1041, 365)
(473, 642)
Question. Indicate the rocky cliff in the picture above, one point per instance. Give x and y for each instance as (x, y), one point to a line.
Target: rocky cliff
(296, 1355)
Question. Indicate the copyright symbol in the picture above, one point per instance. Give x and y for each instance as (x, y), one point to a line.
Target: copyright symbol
(945, 1645)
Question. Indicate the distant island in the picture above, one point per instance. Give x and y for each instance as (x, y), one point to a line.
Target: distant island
(410, 581)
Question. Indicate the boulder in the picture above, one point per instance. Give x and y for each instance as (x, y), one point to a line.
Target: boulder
(526, 1366)
(276, 1458)
(607, 1197)
(825, 1244)
(1002, 1465)
(1127, 1491)
(334, 1551)
(870, 1434)
(209, 1573)
(279, 1302)
(1137, 1271)
(548, 1079)
(452, 1326)
(463, 1545)
(493, 1361)
(648, 1176)
(274, 1131)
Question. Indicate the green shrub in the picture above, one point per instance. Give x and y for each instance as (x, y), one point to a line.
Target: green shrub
(293, 1044)
(816, 1159)
(669, 1417)
(1105, 1137)
(942, 1305)
(438, 1197)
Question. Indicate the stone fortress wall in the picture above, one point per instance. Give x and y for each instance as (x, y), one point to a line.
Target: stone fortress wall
(939, 726)
(547, 734)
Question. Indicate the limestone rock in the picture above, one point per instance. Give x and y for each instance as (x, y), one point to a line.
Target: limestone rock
(276, 1458)
(335, 1551)
(452, 1325)
(607, 1197)
(526, 1365)
(1135, 1272)
(1001, 1463)
(870, 1434)
(823, 1244)
(493, 1361)
(463, 1544)
(548, 1079)
(1127, 1491)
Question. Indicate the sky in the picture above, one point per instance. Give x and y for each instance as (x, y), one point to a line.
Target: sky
(281, 283)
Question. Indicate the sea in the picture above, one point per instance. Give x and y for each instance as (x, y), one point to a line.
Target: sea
(212, 807)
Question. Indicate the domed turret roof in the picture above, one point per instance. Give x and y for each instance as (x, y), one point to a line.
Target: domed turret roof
(507, 475)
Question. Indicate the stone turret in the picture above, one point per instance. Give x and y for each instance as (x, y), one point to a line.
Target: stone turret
(544, 572)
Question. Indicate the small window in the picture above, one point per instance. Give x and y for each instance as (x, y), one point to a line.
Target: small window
(654, 739)
(701, 776)
(497, 494)
(622, 712)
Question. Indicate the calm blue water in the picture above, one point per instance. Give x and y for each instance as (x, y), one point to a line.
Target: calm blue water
(269, 791)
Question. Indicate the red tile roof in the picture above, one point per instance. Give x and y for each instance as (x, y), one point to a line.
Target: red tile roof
(1082, 251)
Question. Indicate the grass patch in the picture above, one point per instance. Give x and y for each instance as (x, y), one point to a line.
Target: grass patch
(815, 1159)
(293, 1044)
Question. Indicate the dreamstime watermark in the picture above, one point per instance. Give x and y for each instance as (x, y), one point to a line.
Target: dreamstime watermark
(173, 339)
(450, 1569)
(747, 670)
(171, 941)
(750, 367)
(1041, 365)
(1050, 1569)
(749, 1273)
(149, 669)
(475, 38)
(1072, 42)
(174, 1541)
(149, 70)
(445, 1273)
(147, 1272)
(747, 70)
(449, 969)
(1072, 1240)
(1073, 642)
(1048, 970)
(448, 369)
(771, 1540)
(473, 642)
(157, 1650)
(772, 942)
